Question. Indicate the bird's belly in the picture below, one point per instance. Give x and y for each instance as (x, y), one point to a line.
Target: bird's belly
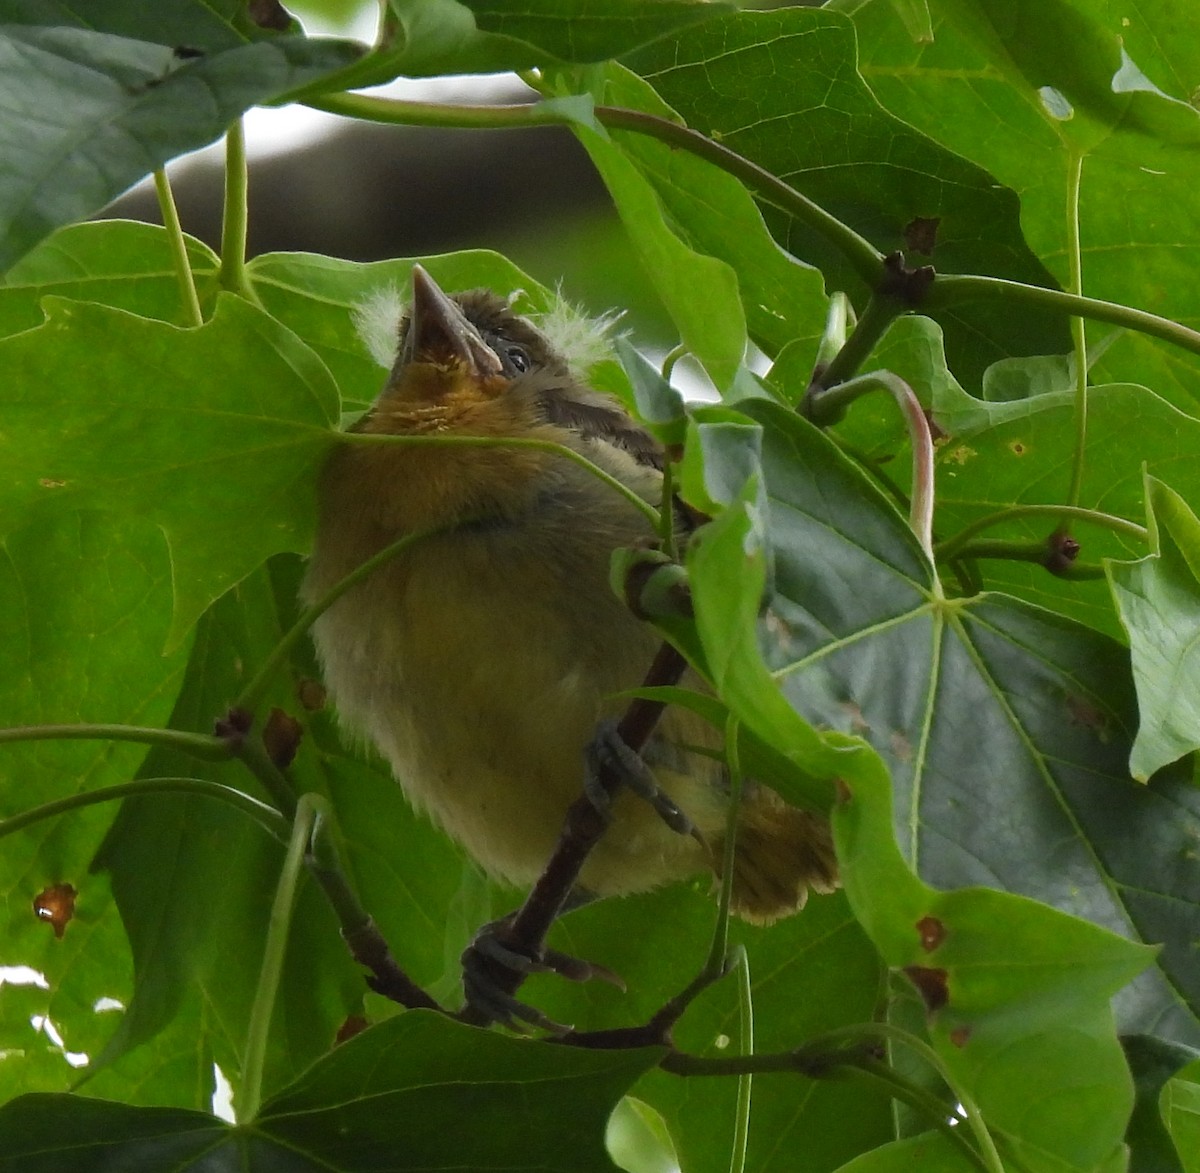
(482, 689)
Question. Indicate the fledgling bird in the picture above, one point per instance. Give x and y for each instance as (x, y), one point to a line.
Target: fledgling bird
(481, 660)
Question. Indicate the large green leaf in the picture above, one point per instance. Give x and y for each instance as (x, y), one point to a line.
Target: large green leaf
(1017, 994)
(1007, 729)
(783, 300)
(84, 611)
(426, 38)
(214, 433)
(979, 88)
(783, 89)
(85, 114)
(418, 1092)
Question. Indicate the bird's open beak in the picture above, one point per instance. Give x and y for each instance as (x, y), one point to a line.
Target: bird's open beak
(439, 333)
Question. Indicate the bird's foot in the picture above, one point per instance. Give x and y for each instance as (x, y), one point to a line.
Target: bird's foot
(609, 749)
(490, 963)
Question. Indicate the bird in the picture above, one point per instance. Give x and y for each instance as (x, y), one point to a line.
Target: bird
(481, 661)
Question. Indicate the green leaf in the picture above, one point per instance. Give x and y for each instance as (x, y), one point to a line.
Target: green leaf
(398, 1092)
(118, 263)
(976, 89)
(699, 291)
(1006, 728)
(712, 211)
(1181, 1111)
(84, 612)
(109, 110)
(1012, 987)
(215, 433)
(1019, 452)
(432, 37)
(1159, 601)
(930, 1152)
(818, 127)
(1153, 1063)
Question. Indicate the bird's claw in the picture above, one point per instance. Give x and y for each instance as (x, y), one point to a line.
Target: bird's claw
(487, 958)
(608, 748)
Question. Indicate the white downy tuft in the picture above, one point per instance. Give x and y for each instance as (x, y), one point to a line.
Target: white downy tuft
(377, 319)
(582, 340)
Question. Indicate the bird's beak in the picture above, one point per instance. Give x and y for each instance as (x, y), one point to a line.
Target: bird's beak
(439, 333)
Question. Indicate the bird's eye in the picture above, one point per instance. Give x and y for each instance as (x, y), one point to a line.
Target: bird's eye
(517, 359)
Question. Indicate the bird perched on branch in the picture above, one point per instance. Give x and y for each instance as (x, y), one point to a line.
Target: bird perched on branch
(481, 660)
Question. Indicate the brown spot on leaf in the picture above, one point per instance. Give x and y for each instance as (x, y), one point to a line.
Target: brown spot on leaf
(959, 1035)
(311, 695)
(920, 234)
(281, 736)
(931, 985)
(1081, 711)
(844, 793)
(56, 906)
(960, 454)
(858, 723)
(901, 747)
(51, 483)
(1017, 448)
(932, 931)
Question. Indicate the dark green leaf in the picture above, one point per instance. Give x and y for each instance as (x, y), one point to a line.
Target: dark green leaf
(418, 1092)
(87, 114)
(782, 88)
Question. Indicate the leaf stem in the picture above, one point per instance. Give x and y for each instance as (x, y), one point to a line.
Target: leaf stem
(1078, 329)
(880, 312)
(266, 816)
(179, 254)
(862, 256)
(823, 406)
(951, 546)
(952, 289)
(249, 1099)
(198, 745)
(233, 275)
(1038, 552)
(745, 1084)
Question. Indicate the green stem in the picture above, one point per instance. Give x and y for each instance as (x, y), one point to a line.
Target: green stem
(951, 546)
(249, 1098)
(880, 312)
(672, 357)
(718, 951)
(251, 752)
(1078, 330)
(236, 213)
(745, 1084)
(549, 446)
(832, 402)
(266, 816)
(1026, 552)
(197, 745)
(862, 256)
(839, 320)
(179, 254)
(952, 289)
